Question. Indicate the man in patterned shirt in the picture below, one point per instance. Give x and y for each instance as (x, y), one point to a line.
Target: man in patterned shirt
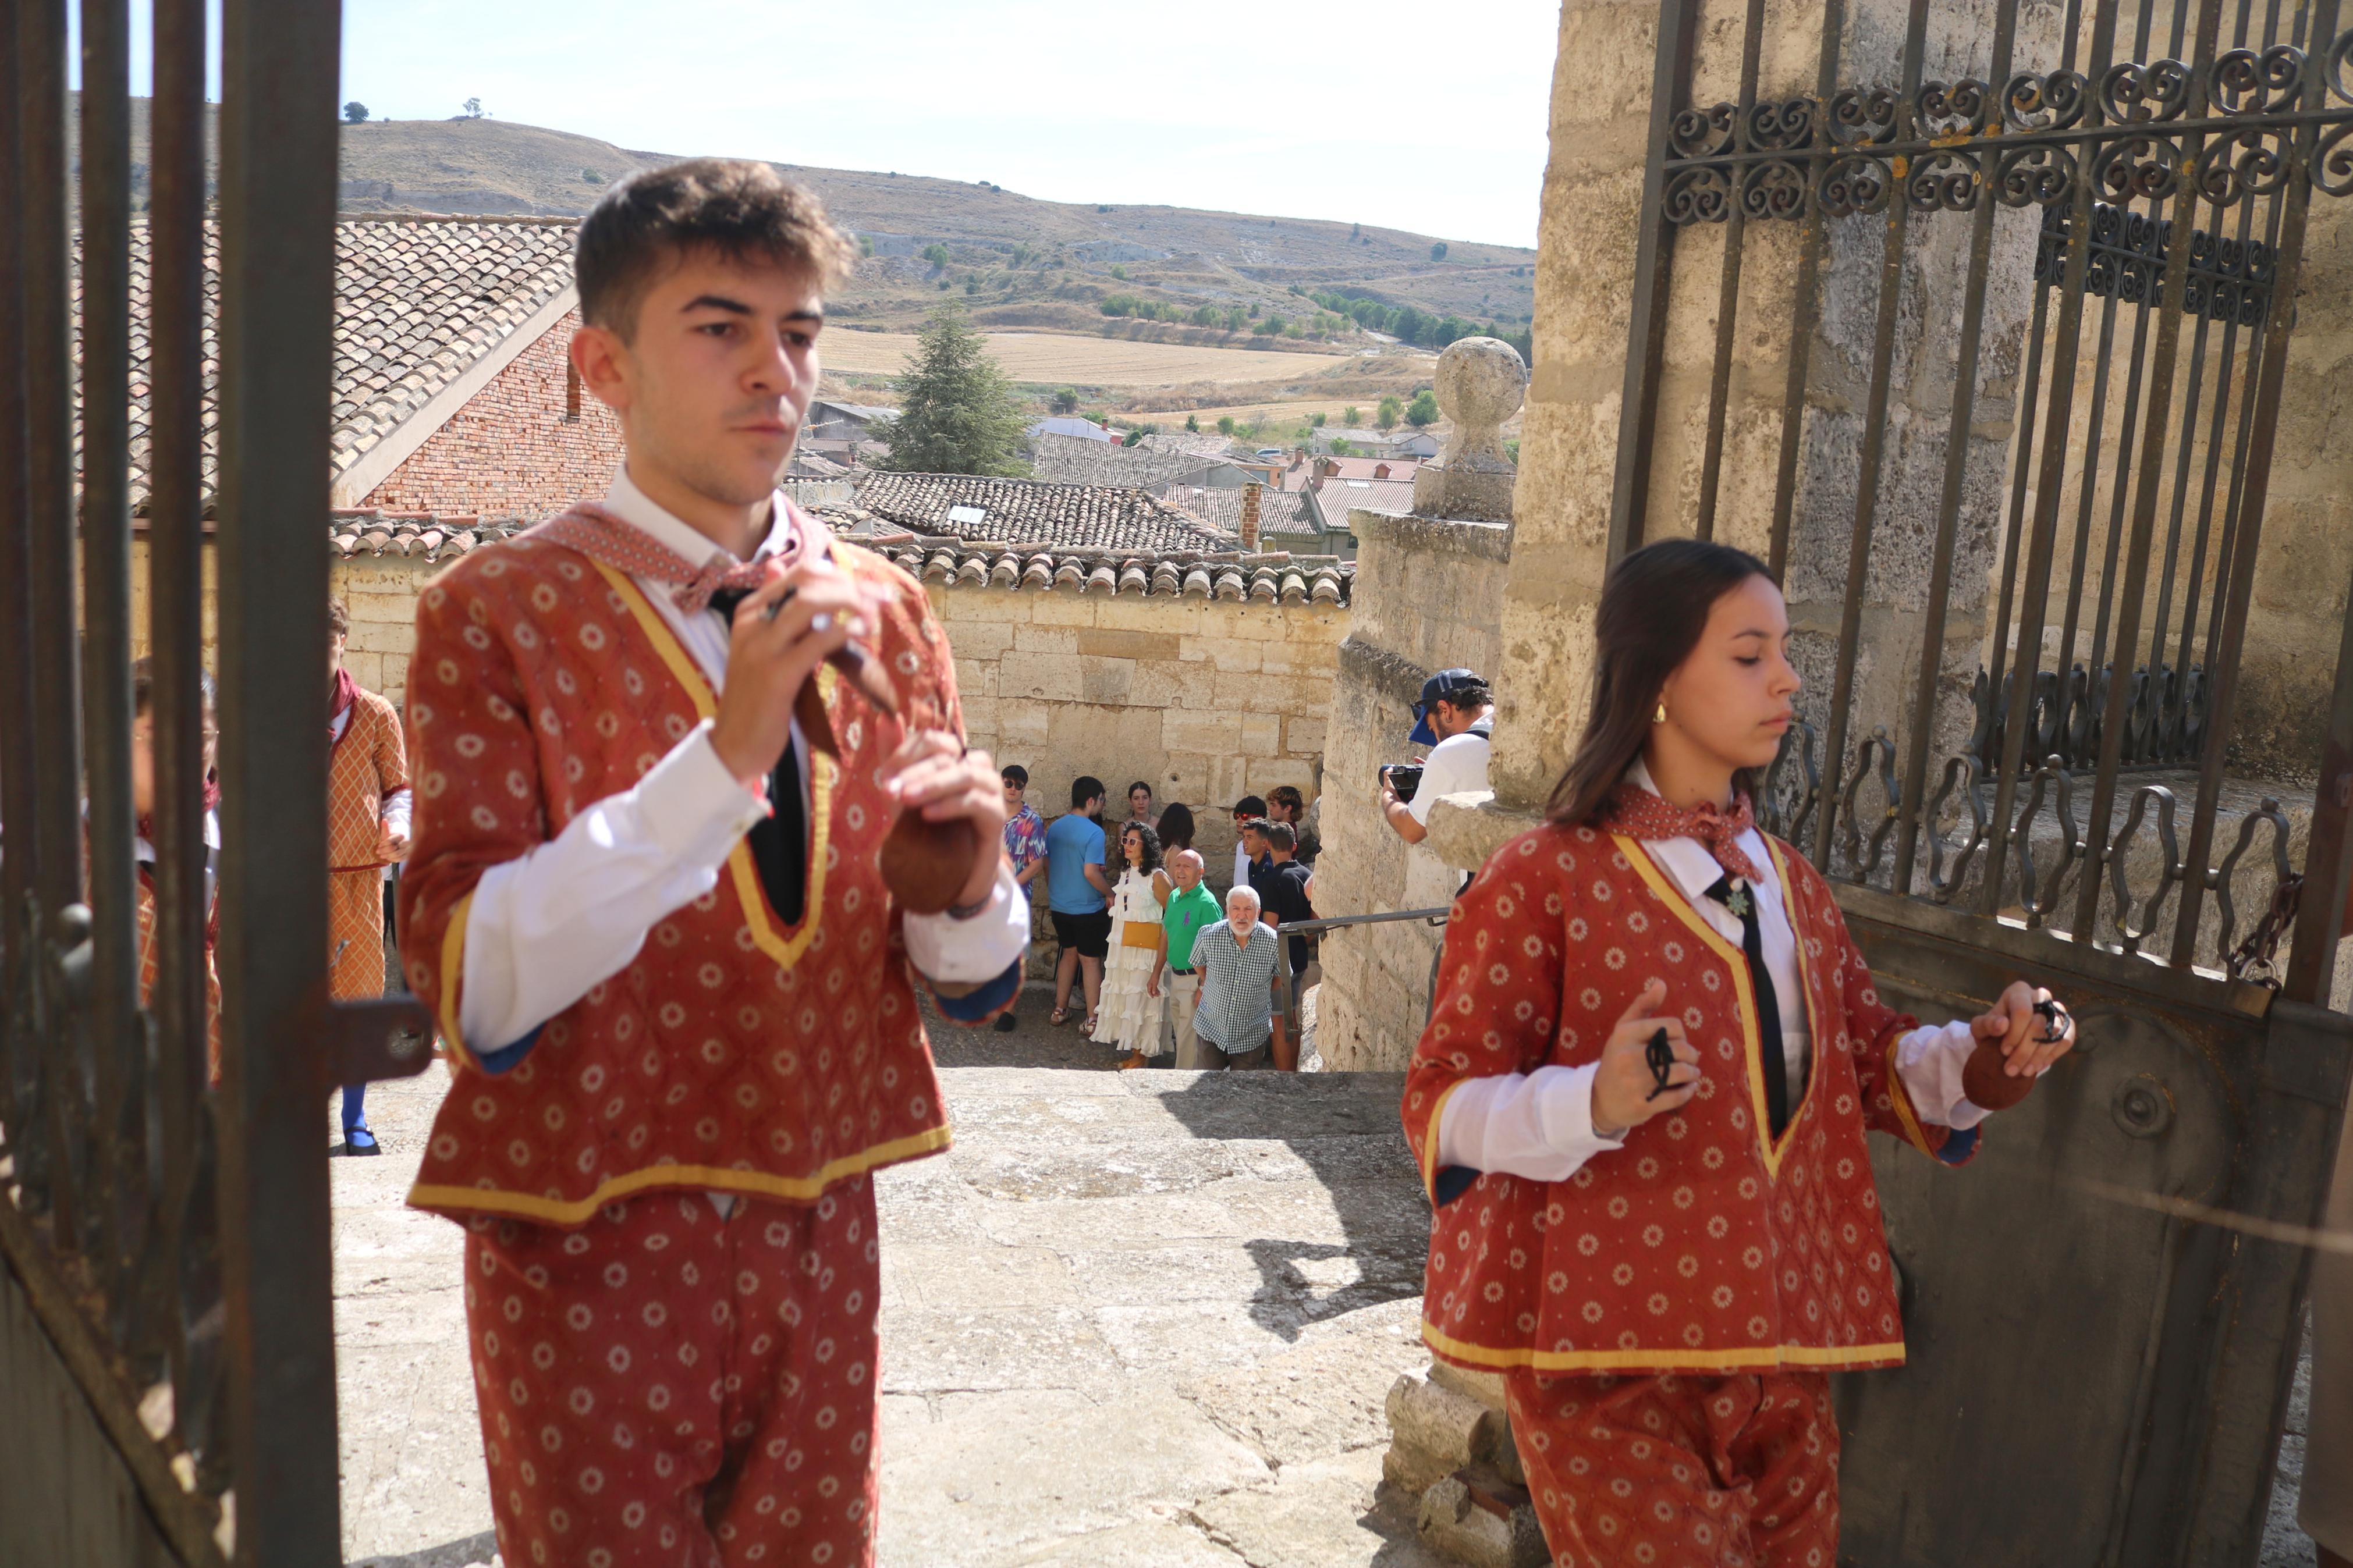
(1025, 846)
(1236, 960)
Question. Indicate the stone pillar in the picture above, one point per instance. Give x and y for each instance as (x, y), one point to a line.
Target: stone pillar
(1426, 598)
(1589, 237)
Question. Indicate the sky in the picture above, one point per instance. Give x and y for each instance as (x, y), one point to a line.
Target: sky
(1427, 117)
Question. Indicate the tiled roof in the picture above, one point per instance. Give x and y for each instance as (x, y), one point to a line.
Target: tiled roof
(1035, 511)
(416, 303)
(1222, 508)
(421, 535)
(1336, 499)
(1275, 578)
(1076, 460)
(1219, 573)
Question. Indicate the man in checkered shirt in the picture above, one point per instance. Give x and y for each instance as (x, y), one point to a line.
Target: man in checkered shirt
(1238, 958)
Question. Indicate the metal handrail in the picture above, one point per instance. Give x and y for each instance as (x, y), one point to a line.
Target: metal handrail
(1309, 928)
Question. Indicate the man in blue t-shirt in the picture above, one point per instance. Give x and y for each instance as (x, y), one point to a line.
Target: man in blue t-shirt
(1076, 889)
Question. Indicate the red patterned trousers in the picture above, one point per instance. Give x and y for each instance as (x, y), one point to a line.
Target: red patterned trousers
(1733, 1472)
(663, 1386)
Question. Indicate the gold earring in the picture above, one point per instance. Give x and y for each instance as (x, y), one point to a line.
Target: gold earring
(1662, 716)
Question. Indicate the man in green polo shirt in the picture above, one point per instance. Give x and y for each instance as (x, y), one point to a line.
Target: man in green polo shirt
(1190, 908)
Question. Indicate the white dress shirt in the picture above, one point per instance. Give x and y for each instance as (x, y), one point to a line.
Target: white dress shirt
(1540, 1124)
(566, 914)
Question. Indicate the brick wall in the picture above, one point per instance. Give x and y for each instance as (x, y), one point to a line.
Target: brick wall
(513, 449)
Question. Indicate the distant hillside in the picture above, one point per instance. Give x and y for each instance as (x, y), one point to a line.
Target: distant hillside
(1035, 263)
(1013, 259)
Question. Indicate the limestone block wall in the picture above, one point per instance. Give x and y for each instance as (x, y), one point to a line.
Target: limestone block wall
(1428, 595)
(1207, 699)
(381, 593)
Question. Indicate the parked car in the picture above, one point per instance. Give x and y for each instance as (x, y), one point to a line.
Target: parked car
(1269, 451)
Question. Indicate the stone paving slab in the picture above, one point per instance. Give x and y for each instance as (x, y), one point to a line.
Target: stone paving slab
(1120, 1308)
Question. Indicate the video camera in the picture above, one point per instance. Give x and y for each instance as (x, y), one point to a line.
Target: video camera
(1404, 777)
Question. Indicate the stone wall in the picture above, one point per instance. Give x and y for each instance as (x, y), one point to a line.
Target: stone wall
(1207, 699)
(381, 593)
(1427, 597)
(529, 443)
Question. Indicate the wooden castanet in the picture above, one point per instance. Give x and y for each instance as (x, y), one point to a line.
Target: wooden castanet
(1987, 1087)
(927, 863)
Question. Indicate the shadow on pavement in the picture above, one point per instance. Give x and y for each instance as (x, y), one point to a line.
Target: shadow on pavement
(1342, 1127)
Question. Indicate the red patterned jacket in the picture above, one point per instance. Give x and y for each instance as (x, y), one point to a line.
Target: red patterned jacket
(1702, 1245)
(733, 1053)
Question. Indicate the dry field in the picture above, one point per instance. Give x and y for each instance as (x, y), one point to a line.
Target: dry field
(1053, 359)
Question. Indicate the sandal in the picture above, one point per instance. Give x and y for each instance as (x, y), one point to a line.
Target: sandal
(1060, 1016)
(1088, 1028)
(1135, 1059)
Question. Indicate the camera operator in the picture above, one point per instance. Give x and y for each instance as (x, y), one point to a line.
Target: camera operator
(1456, 718)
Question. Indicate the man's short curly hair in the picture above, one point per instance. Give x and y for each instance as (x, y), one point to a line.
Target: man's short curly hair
(734, 208)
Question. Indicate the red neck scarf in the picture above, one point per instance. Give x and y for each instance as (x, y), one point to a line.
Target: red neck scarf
(340, 698)
(1638, 813)
(601, 536)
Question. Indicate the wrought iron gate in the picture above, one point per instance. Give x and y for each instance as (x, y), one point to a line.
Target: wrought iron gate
(165, 1238)
(2095, 1378)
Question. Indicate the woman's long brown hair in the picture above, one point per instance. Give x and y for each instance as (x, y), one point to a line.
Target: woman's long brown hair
(1653, 608)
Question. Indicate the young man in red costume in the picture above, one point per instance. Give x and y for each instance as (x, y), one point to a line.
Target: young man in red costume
(1666, 1247)
(368, 811)
(645, 904)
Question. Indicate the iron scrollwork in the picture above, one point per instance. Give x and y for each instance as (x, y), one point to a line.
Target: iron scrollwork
(2038, 898)
(2169, 871)
(1965, 774)
(1891, 793)
(2230, 126)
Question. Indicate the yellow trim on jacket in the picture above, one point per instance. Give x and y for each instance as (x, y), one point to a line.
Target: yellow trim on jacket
(453, 974)
(1744, 1358)
(1770, 1150)
(1430, 1139)
(785, 951)
(700, 1178)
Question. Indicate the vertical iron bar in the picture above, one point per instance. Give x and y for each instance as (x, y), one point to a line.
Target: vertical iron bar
(1957, 448)
(280, 67)
(2097, 847)
(1629, 488)
(1806, 305)
(49, 514)
(1874, 437)
(2327, 813)
(2030, 381)
(184, 1284)
(2162, 619)
(20, 1054)
(2087, 495)
(1727, 299)
(116, 1035)
(2033, 598)
(2121, 489)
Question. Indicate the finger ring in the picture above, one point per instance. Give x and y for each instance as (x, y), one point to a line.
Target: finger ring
(777, 606)
(1659, 1056)
(821, 622)
(2059, 1021)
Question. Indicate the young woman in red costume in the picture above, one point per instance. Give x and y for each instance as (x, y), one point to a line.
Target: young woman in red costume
(1641, 1102)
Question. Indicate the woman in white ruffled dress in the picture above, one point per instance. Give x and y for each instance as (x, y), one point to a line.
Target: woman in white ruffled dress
(1130, 1015)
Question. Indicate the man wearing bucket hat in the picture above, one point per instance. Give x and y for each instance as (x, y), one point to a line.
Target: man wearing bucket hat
(1455, 718)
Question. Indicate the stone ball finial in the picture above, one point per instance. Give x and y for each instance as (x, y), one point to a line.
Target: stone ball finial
(1480, 382)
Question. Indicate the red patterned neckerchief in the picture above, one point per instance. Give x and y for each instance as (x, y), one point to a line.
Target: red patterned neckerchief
(343, 693)
(602, 536)
(1638, 813)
